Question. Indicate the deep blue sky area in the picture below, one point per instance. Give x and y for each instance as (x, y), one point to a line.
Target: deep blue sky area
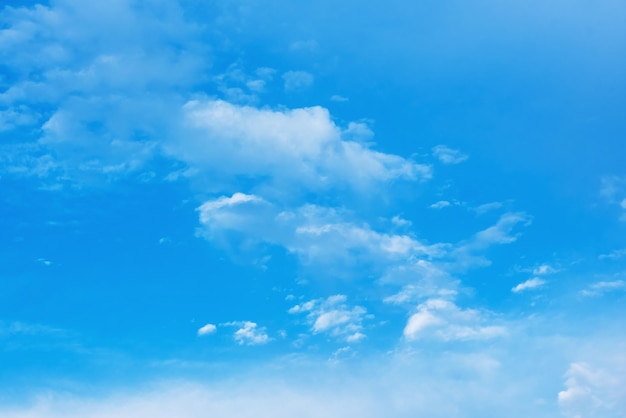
(312, 209)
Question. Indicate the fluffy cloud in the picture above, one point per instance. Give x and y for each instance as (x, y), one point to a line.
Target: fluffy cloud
(316, 234)
(249, 333)
(301, 146)
(449, 155)
(533, 283)
(333, 316)
(87, 76)
(592, 392)
(207, 329)
(442, 319)
(440, 204)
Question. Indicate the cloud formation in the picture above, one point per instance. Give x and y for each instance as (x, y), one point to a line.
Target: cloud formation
(442, 319)
(333, 316)
(449, 155)
(533, 283)
(293, 146)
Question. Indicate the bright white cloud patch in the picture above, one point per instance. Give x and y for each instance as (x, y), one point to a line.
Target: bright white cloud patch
(297, 146)
(442, 319)
(449, 155)
(316, 234)
(533, 283)
(333, 316)
(249, 333)
(207, 329)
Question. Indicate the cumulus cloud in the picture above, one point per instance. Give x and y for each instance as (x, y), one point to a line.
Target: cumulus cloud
(316, 234)
(86, 76)
(249, 333)
(592, 392)
(333, 316)
(443, 319)
(449, 155)
(207, 329)
(533, 283)
(302, 146)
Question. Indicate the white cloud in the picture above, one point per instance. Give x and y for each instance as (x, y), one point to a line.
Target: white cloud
(97, 69)
(603, 287)
(297, 80)
(297, 146)
(533, 283)
(501, 232)
(207, 329)
(487, 207)
(467, 254)
(334, 316)
(443, 319)
(249, 333)
(544, 269)
(338, 98)
(592, 392)
(449, 155)
(316, 234)
(440, 204)
(614, 255)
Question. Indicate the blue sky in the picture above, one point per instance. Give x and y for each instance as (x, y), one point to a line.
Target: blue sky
(278, 208)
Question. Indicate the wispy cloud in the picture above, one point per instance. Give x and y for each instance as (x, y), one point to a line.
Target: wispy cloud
(533, 283)
(613, 255)
(449, 155)
(603, 287)
(297, 80)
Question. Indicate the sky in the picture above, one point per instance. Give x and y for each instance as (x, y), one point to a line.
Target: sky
(274, 208)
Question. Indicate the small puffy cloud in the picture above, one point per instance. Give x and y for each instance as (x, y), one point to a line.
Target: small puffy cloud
(603, 287)
(449, 155)
(592, 392)
(544, 269)
(533, 283)
(334, 316)
(443, 319)
(249, 333)
(440, 204)
(207, 329)
(297, 80)
(400, 222)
